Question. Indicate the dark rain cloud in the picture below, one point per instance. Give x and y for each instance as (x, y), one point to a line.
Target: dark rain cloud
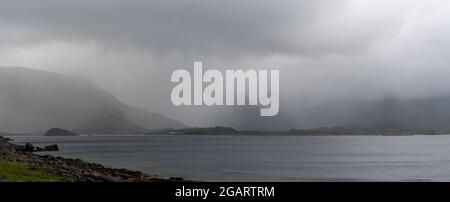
(326, 50)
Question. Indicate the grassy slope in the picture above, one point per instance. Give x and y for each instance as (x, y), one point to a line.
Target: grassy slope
(12, 171)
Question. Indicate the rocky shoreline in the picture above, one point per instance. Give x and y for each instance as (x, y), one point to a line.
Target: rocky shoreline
(70, 170)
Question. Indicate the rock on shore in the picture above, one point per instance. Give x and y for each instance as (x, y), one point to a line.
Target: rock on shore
(73, 170)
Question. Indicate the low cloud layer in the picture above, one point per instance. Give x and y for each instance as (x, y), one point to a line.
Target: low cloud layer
(325, 50)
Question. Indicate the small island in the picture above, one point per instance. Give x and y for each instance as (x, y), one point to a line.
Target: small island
(59, 132)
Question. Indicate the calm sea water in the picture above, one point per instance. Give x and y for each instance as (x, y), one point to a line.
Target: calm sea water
(261, 158)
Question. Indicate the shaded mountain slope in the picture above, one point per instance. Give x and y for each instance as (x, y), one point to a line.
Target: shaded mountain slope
(33, 100)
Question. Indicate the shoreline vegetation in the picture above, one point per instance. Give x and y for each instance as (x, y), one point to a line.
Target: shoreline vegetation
(17, 164)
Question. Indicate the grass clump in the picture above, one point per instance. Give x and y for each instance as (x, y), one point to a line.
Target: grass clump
(12, 171)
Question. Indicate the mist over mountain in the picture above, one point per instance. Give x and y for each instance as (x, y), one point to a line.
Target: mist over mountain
(248, 118)
(34, 100)
(352, 62)
(411, 113)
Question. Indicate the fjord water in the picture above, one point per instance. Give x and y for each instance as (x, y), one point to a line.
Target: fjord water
(265, 158)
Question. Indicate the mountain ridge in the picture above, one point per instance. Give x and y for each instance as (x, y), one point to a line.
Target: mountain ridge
(36, 100)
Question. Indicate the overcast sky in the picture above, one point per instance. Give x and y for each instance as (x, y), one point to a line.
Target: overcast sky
(325, 49)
